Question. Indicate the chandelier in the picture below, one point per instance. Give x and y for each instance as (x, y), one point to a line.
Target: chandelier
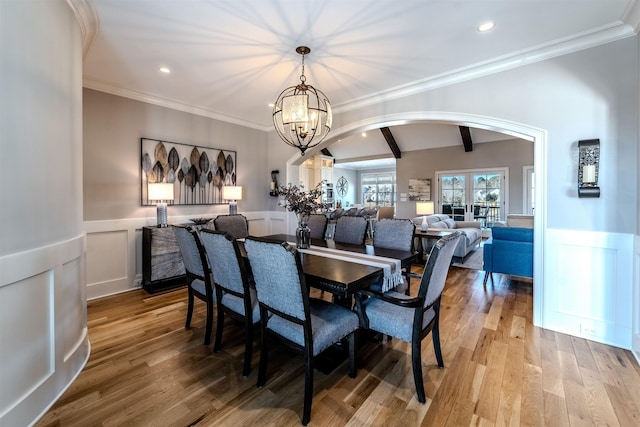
(302, 113)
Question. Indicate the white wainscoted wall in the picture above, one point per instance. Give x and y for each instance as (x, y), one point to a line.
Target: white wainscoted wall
(43, 319)
(588, 285)
(114, 248)
(635, 335)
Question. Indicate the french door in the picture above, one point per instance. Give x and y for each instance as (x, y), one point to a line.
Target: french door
(470, 195)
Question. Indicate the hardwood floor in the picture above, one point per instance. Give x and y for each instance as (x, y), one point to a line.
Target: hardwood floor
(145, 369)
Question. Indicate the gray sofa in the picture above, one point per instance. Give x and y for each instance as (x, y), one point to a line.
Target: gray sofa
(472, 233)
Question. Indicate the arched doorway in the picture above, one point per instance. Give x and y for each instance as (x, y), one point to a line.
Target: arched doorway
(527, 132)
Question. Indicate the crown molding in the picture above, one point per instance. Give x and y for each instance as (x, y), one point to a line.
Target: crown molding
(87, 17)
(603, 35)
(632, 16)
(596, 37)
(172, 104)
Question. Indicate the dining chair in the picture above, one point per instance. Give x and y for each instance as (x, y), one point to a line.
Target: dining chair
(237, 226)
(386, 212)
(318, 225)
(234, 294)
(287, 313)
(198, 272)
(350, 229)
(412, 319)
(396, 234)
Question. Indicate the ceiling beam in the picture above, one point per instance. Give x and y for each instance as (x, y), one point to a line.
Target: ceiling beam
(465, 133)
(326, 152)
(386, 132)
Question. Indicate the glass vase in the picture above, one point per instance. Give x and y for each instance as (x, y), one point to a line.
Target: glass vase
(303, 233)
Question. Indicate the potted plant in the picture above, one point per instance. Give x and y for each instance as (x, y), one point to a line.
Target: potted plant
(302, 203)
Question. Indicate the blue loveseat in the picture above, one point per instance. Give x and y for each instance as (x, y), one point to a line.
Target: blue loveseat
(509, 251)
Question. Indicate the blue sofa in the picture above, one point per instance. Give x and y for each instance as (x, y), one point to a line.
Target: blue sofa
(509, 251)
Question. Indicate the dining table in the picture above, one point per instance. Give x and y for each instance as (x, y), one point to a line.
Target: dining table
(340, 277)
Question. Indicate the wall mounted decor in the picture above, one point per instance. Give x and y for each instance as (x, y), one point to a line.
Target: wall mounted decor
(588, 168)
(197, 173)
(419, 189)
(342, 186)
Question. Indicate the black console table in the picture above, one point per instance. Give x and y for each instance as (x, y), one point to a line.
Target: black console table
(162, 267)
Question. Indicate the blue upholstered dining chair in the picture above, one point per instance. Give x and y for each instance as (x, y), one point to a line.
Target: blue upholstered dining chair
(236, 226)
(308, 325)
(412, 319)
(198, 271)
(234, 295)
(318, 225)
(350, 229)
(396, 234)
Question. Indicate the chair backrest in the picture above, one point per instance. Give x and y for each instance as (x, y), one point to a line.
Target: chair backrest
(386, 212)
(236, 226)
(225, 259)
(437, 268)
(350, 229)
(337, 213)
(277, 271)
(370, 212)
(190, 248)
(350, 212)
(394, 234)
(318, 225)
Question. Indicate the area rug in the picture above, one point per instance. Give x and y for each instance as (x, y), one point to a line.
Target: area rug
(473, 261)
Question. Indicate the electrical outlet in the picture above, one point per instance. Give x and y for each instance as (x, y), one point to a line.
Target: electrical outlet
(588, 329)
(137, 283)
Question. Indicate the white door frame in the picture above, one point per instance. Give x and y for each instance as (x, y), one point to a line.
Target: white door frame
(527, 172)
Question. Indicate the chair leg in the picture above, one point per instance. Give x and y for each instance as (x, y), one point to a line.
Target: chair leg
(219, 328)
(308, 387)
(187, 324)
(248, 348)
(209, 328)
(416, 362)
(352, 354)
(487, 274)
(435, 335)
(264, 356)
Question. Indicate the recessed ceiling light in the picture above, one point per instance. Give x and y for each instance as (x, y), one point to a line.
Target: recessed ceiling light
(486, 26)
(364, 134)
(270, 105)
(165, 70)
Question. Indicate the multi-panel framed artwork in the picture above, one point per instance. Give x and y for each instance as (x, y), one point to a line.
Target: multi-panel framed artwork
(197, 173)
(419, 189)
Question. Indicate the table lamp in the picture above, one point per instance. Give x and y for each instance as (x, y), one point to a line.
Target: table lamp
(424, 209)
(161, 192)
(233, 194)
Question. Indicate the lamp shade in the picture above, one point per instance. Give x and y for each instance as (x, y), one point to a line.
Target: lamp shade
(232, 192)
(160, 191)
(424, 208)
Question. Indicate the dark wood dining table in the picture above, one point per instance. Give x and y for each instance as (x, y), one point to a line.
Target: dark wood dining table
(343, 278)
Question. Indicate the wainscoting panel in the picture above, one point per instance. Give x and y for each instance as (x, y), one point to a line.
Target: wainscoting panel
(43, 338)
(114, 248)
(28, 334)
(588, 285)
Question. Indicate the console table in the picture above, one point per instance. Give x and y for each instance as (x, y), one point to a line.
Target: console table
(162, 267)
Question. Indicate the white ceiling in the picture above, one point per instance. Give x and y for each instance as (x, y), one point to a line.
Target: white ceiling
(230, 59)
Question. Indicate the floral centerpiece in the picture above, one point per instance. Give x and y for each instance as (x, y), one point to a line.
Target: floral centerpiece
(302, 203)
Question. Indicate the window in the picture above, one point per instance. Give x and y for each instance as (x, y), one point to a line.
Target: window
(464, 195)
(378, 189)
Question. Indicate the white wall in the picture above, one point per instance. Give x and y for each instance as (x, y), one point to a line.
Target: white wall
(43, 337)
(589, 94)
